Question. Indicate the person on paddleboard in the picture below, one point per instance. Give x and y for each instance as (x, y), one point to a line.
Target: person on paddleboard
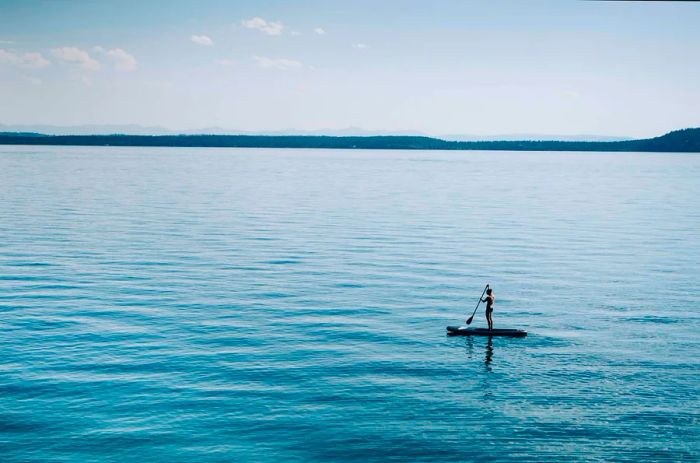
(490, 299)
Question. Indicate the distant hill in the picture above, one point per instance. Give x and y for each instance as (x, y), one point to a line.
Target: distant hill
(135, 129)
(533, 137)
(21, 134)
(88, 129)
(686, 140)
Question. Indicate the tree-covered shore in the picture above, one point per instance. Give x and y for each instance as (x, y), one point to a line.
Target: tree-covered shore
(685, 140)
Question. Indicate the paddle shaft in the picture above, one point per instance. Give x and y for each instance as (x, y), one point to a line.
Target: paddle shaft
(469, 321)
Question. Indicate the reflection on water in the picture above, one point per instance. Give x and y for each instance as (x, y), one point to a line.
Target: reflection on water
(469, 344)
(469, 348)
(489, 353)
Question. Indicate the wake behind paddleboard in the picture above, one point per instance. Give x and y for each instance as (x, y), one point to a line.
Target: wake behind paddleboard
(466, 331)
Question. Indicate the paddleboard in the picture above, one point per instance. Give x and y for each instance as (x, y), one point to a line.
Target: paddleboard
(466, 331)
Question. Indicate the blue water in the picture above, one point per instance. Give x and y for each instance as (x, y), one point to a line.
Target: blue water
(216, 305)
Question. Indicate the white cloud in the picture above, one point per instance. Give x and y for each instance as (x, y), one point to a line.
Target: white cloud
(295, 33)
(122, 60)
(225, 62)
(202, 40)
(73, 55)
(33, 61)
(268, 27)
(320, 31)
(7, 57)
(276, 63)
(25, 60)
(360, 46)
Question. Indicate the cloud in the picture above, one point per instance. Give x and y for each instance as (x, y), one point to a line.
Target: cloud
(295, 33)
(24, 60)
(359, 46)
(122, 60)
(269, 28)
(7, 42)
(320, 31)
(73, 55)
(277, 63)
(225, 62)
(7, 57)
(33, 61)
(202, 40)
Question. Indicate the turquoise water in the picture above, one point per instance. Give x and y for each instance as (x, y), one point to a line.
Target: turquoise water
(214, 305)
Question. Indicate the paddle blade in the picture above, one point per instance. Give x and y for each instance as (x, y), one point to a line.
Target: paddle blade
(469, 321)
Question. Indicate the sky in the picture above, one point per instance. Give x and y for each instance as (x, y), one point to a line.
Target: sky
(438, 67)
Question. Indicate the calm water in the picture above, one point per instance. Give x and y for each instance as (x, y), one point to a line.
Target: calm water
(214, 305)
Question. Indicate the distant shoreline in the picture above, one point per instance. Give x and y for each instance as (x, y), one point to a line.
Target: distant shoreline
(679, 141)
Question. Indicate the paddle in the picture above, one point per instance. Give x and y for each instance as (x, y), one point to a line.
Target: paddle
(469, 321)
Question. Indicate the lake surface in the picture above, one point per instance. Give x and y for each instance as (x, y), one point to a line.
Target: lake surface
(214, 305)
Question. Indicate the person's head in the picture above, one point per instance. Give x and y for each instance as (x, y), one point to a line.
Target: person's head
(489, 291)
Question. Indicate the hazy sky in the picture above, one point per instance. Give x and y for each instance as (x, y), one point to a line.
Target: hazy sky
(440, 67)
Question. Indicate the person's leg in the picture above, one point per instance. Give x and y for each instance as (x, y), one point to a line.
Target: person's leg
(489, 318)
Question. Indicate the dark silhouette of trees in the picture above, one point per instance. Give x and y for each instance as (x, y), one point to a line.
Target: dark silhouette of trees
(686, 140)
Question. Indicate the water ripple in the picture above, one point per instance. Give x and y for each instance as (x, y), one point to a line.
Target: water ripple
(259, 305)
